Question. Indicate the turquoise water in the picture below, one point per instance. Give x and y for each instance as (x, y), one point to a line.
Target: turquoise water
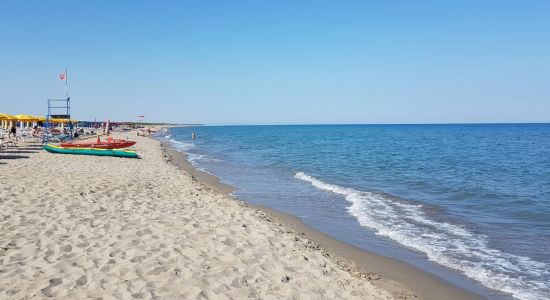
(462, 201)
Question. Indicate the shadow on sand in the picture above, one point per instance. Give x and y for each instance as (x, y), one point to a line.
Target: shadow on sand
(12, 156)
(19, 151)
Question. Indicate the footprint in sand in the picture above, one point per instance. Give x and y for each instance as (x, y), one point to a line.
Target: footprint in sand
(83, 244)
(48, 254)
(47, 291)
(115, 252)
(82, 280)
(158, 270)
(137, 259)
(123, 271)
(144, 232)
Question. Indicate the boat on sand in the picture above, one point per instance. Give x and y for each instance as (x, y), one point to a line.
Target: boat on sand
(91, 151)
(110, 143)
(116, 144)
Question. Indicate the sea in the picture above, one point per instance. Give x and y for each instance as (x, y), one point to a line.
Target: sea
(469, 203)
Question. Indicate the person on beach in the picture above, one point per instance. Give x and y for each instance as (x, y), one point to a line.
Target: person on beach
(13, 131)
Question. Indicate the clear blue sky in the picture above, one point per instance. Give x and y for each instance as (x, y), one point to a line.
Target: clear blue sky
(258, 62)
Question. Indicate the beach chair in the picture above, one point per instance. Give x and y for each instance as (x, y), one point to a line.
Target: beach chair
(4, 143)
(30, 136)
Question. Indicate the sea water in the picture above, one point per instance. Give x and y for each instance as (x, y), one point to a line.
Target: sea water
(469, 203)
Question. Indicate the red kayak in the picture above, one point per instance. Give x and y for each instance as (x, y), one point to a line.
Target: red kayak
(109, 144)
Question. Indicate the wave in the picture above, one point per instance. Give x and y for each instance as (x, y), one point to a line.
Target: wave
(447, 244)
(181, 145)
(193, 158)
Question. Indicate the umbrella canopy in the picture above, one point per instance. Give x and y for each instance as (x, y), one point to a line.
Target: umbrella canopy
(62, 121)
(6, 117)
(26, 118)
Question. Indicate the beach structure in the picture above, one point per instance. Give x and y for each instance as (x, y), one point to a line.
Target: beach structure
(59, 112)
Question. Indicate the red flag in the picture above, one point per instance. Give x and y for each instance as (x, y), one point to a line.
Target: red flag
(62, 76)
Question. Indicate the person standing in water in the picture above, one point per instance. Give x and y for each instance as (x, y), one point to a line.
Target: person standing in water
(193, 136)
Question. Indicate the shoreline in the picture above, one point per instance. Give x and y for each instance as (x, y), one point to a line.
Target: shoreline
(144, 228)
(386, 273)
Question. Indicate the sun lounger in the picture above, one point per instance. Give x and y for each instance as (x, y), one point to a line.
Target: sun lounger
(4, 142)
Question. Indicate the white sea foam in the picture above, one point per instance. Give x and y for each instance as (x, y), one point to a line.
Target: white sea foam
(193, 158)
(444, 243)
(181, 145)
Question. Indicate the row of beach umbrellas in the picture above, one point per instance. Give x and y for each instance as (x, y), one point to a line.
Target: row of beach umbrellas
(22, 118)
(7, 120)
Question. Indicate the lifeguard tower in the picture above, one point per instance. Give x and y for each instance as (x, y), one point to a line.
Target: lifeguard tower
(59, 111)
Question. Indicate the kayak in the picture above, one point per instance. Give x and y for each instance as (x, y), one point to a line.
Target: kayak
(115, 144)
(91, 151)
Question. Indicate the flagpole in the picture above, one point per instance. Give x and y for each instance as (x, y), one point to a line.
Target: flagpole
(66, 83)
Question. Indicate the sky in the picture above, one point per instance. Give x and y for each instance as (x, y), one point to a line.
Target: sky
(279, 61)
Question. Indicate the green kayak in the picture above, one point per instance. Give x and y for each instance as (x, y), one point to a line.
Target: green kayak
(91, 151)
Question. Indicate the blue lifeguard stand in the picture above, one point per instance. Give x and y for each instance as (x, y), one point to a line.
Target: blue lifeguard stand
(58, 109)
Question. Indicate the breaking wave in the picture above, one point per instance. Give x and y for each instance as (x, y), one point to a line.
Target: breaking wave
(447, 244)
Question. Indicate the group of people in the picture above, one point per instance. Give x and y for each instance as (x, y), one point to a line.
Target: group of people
(12, 132)
(144, 132)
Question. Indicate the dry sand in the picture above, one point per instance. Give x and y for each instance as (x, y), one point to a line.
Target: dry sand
(74, 227)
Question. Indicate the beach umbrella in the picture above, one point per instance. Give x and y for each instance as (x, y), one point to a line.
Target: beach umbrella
(57, 120)
(63, 121)
(35, 118)
(7, 117)
(3, 120)
(26, 120)
(38, 119)
(7, 120)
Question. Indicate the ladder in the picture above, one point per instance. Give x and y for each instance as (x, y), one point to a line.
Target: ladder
(59, 109)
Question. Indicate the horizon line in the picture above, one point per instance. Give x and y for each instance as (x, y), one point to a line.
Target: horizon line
(358, 124)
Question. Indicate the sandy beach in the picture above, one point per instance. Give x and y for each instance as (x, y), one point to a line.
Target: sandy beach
(74, 227)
